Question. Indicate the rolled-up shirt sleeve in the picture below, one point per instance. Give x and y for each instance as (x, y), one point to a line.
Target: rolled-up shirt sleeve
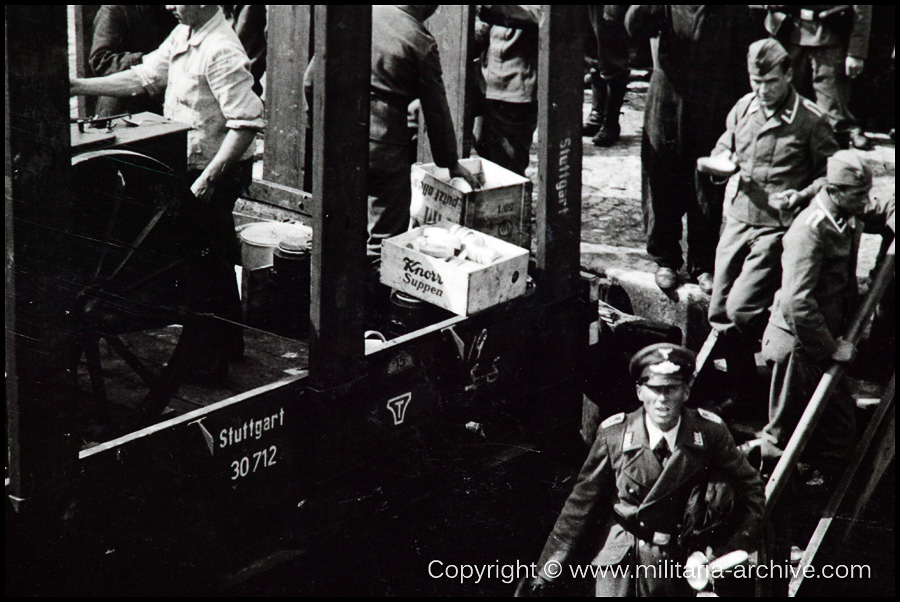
(228, 74)
(153, 72)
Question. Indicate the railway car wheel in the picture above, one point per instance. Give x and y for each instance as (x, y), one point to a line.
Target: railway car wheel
(140, 254)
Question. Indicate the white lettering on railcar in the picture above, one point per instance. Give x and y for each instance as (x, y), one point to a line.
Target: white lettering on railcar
(250, 429)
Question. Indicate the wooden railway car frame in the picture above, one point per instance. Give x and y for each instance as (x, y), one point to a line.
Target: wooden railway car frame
(238, 485)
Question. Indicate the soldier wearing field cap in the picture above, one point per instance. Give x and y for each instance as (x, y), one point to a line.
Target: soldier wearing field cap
(818, 295)
(636, 482)
(780, 142)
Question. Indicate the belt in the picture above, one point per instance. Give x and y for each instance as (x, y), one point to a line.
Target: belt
(646, 534)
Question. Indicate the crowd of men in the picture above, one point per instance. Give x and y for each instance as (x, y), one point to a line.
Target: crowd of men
(777, 256)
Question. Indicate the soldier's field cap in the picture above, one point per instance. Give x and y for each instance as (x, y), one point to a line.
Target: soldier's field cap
(847, 169)
(765, 55)
(662, 359)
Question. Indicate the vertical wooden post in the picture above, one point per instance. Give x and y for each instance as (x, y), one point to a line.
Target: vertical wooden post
(564, 333)
(289, 44)
(36, 210)
(560, 98)
(84, 39)
(340, 167)
(453, 29)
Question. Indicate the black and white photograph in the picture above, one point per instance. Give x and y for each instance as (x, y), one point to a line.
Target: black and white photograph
(450, 300)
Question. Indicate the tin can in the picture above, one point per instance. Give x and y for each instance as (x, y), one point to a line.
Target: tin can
(408, 314)
(290, 282)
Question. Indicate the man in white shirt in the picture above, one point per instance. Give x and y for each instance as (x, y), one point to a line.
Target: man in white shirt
(204, 70)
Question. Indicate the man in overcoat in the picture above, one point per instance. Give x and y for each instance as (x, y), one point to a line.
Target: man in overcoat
(637, 484)
(698, 78)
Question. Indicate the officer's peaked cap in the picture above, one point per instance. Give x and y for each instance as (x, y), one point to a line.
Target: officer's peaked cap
(663, 359)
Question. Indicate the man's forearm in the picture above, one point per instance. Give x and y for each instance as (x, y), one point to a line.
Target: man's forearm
(805, 196)
(233, 147)
(119, 85)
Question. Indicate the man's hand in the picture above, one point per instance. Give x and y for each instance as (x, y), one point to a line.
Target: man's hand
(787, 200)
(845, 352)
(458, 171)
(854, 66)
(203, 188)
(531, 588)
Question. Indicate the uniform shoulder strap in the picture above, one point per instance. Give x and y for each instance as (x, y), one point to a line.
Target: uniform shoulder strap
(613, 420)
(813, 107)
(710, 416)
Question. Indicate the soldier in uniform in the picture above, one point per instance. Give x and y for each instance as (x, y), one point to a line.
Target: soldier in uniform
(781, 143)
(406, 65)
(818, 293)
(828, 45)
(609, 79)
(637, 481)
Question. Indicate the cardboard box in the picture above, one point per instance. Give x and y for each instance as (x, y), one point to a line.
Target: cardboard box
(464, 289)
(501, 208)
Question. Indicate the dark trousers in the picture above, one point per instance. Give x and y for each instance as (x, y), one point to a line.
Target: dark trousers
(506, 134)
(217, 286)
(389, 193)
(671, 188)
(819, 73)
(609, 78)
(795, 376)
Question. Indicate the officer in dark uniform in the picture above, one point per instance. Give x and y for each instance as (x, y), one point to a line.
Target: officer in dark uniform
(781, 143)
(637, 481)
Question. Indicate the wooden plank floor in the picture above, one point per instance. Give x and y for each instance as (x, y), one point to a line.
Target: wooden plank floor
(267, 358)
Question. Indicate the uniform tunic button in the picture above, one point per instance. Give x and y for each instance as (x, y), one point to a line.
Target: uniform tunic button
(643, 524)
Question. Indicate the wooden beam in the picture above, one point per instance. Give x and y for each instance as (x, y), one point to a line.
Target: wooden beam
(340, 167)
(277, 195)
(807, 423)
(560, 98)
(84, 15)
(453, 27)
(880, 432)
(289, 45)
(36, 213)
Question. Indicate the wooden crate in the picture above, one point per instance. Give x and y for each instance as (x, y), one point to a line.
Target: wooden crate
(462, 290)
(501, 208)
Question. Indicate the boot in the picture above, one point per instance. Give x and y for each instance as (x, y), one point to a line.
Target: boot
(598, 102)
(610, 131)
